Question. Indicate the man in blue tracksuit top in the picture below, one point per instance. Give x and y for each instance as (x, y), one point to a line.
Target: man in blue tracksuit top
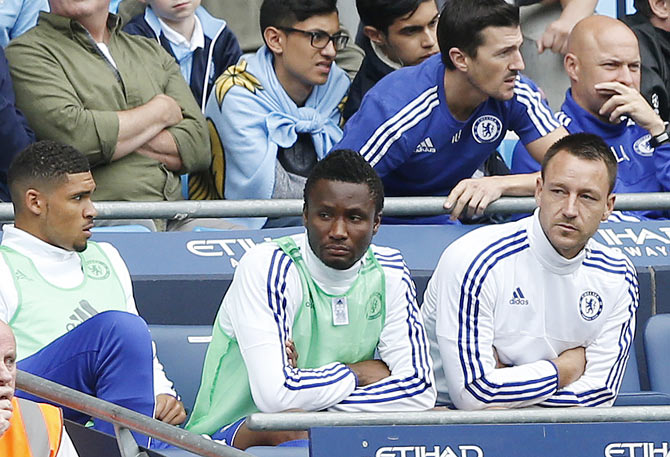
(603, 63)
(204, 55)
(426, 129)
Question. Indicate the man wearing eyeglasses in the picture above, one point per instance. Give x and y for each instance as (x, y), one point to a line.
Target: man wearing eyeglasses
(275, 114)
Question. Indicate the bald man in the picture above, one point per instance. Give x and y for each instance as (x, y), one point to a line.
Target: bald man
(27, 427)
(603, 63)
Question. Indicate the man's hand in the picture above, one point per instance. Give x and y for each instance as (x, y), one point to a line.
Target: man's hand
(5, 415)
(571, 365)
(499, 364)
(169, 409)
(473, 195)
(555, 37)
(292, 353)
(369, 371)
(629, 101)
(168, 108)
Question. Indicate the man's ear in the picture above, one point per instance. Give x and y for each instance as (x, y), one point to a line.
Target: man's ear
(376, 223)
(34, 201)
(274, 39)
(571, 65)
(459, 59)
(660, 8)
(538, 190)
(611, 198)
(375, 35)
(304, 214)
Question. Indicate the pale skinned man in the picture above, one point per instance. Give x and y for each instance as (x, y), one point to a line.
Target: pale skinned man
(604, 66)
(25, 425)
(536, 312)
(136, 120)
(429, 137)
(396, 34)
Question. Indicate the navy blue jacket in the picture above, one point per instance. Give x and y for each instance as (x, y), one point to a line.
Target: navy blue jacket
(221, 48)
(15, 134)
(372, 70)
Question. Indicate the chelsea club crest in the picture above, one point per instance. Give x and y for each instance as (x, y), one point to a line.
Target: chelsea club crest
(590, 305)
(486, 129)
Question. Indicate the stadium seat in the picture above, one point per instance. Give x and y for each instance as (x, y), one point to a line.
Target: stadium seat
(181, 349)
(656, 343)
(631, 377)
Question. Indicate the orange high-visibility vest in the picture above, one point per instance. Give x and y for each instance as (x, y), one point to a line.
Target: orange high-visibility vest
(35, 430)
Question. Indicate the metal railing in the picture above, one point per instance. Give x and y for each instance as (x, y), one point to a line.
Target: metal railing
(304, 421)
(393, 206)
(123, 419)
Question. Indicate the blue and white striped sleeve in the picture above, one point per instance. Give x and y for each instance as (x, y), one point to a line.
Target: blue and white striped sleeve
(258, 309)
(607, 355)
(465, 292)
(378, 130)
(531, 116)
(403, 346)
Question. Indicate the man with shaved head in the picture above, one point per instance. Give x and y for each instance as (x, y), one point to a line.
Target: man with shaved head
(603, 63)
(27, 428)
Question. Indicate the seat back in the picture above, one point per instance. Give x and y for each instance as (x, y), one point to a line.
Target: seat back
(656, 343)
(181, 349)
(631, 377)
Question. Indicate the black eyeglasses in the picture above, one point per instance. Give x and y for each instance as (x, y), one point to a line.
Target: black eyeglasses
(320, 39)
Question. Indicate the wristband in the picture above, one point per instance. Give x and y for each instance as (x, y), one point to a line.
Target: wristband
(661, 138)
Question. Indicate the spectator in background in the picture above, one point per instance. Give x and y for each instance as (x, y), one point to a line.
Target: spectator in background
(277, 113)
(25, 425)
(14, 131)
(651, 24)
(536, 312)
(243, 17)
(70, 301)
(118, 98)
(398, 33)
(202, 45)
(427, 128)
(545, 25)
(17, 16)
(603, 63)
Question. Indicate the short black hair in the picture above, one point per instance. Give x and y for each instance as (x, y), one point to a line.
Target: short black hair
(285, 13)
(345, 165)
(642, 7)
(380, 14)
(462, 22)
(44, 162)
(585, 146)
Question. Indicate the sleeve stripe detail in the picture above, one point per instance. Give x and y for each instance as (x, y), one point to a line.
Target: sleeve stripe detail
(420, 380)
(539, 114)
(469, 353)
(384, 137)
(608, 392)
(276, 290)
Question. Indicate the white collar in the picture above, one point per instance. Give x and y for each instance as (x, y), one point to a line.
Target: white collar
(34, 248)
(197, 38)
(546, 253)
(332, 281)
(383, 57)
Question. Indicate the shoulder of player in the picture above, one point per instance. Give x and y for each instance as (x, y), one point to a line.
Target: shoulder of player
(607, 260)
(483, 241)
(388, 258)
(263, 256)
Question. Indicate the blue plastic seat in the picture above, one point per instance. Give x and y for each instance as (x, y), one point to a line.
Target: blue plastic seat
(181, 349)
(656, 343)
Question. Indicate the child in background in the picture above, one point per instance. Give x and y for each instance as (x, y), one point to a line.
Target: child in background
(202, 45)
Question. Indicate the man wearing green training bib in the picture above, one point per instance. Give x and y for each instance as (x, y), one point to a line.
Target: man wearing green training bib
(305, 315)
